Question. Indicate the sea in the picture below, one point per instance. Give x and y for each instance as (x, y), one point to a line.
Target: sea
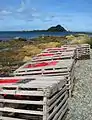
(8, 35)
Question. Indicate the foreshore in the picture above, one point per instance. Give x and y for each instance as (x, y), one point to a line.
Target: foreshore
(16, 52)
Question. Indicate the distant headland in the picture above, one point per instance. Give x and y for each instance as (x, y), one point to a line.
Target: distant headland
(57, 28)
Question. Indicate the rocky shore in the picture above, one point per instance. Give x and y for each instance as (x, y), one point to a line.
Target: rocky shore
(14, 53)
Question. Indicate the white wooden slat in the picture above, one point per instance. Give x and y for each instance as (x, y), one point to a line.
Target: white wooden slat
(44, 74)
(57, 108)
(12, 92)
(58, 55)
(21, 101)
(50, 101)
(30, 73)
(45, 113)
(56, 101)
(53, 68)
(64, 56)
(41, 73)
(61, 111)
(30, 93)
(7, 109)
(9, 118)
(61, 115)
(43, 69)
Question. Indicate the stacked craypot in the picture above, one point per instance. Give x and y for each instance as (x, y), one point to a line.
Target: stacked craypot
(40, 89)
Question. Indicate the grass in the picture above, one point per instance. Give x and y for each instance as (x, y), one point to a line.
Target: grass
(19, 51)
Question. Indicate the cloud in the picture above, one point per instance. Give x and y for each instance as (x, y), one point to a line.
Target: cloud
(29, 13)
(5, 12)
(26, 12)
(22, 12)
(22, 7)
(34, 9)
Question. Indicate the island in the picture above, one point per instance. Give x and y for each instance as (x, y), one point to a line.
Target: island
(57, 28)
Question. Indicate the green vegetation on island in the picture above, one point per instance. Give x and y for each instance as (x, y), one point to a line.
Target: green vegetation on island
(57, 28)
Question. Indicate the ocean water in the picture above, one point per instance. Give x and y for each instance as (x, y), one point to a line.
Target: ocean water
(28, 35)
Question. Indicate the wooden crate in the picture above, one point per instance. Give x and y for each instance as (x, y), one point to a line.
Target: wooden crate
(56, 56)
(59, 50)
(69, 46)
(41, 68)
(60, 68)
(53, 50)
(44, 98)
(83, 51)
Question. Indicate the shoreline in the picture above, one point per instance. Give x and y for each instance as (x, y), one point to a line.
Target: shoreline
(7, 35)
(15, 52)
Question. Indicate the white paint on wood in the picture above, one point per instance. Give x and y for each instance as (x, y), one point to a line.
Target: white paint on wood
(7, 109)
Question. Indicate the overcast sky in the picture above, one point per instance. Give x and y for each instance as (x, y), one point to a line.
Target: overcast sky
(74, 15)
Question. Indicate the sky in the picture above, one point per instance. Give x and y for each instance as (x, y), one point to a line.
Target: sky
(74, 15)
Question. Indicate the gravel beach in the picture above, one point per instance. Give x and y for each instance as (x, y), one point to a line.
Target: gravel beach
(81, 102)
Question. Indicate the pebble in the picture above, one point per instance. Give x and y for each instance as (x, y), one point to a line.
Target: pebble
(81, 103)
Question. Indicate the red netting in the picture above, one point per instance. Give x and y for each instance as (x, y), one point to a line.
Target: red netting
(8, 81)
(41, 64)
